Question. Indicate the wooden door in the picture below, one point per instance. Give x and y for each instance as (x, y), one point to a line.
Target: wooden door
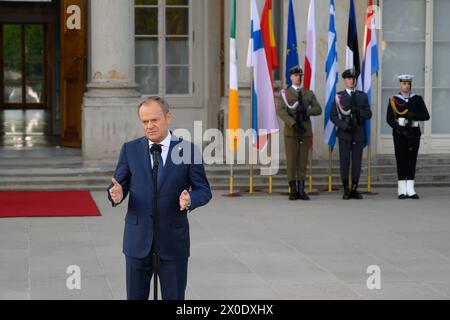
(73, 69)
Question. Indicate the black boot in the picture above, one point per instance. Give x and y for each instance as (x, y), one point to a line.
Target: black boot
(355, 194)
(347, 194)
(293, 194)
(301, 190)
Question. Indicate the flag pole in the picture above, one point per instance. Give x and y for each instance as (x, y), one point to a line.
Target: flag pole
(231, 192)
(231, 180)
(270, 169)
(330, 169)
(310, 170)
(251, 179)
(251, 146)
(369, 172)
(369, 169)
(330, 172)
(311, 192)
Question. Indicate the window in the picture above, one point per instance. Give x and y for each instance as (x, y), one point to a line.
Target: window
(163, 40)
(403, 48)
(409, 47)
(441, 68)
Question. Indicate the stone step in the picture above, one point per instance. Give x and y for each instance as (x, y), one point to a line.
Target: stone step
(77, 183)
(217, 171)
(77, 160)
(71, 173)
(54, 172)
(224, 171)
(211, 171)
(53, 187)
(282, 187)
(105, 176)
(24, 161)
(323, 186)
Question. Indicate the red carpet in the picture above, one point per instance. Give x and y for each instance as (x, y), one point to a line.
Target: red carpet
(47, 204)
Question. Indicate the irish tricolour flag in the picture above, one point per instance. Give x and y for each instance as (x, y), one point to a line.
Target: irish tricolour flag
(233, 112)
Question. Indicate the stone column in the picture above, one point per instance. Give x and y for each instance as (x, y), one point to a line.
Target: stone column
(109, 108)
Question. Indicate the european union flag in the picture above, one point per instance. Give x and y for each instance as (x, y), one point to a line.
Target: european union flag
(291, 49)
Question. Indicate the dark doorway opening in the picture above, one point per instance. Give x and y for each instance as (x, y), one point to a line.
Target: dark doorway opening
(29, 51)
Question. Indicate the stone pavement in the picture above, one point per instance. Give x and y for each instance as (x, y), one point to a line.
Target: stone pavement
(253, 247)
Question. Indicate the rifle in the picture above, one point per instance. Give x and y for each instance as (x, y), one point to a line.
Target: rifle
(301, 116)
(410, 133)
(356, 116)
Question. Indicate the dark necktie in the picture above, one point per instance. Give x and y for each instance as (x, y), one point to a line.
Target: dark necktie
(352, 100)
(160, 167)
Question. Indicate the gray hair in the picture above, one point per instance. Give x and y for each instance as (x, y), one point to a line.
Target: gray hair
(162, 103)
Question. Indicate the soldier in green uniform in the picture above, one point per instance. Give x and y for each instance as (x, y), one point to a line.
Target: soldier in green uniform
(295, 107)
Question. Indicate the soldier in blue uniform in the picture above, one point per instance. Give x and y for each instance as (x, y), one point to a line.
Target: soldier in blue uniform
(349, 113)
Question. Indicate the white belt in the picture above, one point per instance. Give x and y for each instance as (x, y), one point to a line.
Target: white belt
(415, 124)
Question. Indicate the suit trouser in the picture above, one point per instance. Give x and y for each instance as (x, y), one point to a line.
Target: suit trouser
(354, 151)
(406, 151)
(297, 152)
(172, 277)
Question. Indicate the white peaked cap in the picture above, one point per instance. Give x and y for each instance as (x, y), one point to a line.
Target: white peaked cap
(406, 77)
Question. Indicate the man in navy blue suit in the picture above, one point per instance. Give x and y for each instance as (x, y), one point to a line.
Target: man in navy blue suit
(182, 187)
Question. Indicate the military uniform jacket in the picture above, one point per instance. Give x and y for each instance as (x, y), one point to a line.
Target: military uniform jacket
(399, 107)
(338, 117)
(289, 113)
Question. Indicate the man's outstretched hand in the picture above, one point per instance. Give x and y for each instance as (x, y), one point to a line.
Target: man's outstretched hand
(116, 192)
(185, 200)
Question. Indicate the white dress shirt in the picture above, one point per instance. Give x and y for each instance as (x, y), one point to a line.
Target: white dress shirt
(165, 144)
(296, 88)
(349, 91)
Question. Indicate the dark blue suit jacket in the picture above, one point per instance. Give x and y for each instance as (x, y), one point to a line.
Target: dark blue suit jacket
(134, 173)
(362, 103)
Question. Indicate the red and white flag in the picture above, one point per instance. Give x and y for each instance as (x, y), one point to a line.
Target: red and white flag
(310, 57)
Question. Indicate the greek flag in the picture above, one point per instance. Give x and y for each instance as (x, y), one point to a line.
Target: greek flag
(331, 80)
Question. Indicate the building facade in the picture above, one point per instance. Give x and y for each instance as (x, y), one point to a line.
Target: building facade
(76, 69)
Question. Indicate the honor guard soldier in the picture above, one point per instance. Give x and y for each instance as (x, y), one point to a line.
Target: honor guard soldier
(349, 113)
(404, 112)
(295, 107)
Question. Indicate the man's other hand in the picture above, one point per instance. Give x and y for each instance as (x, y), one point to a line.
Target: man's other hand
(185, 200)
(116, 192)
